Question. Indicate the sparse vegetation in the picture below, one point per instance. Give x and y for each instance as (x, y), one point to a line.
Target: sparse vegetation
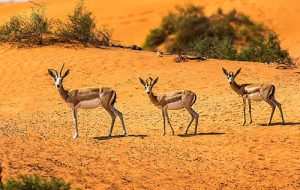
(34, 182)
(81, 27)
(266, 49)
(37, 29)
(26, 30)
(230, 36)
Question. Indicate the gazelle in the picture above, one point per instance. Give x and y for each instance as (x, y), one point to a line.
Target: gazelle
(255, 92)
(172, 101)
(89, 98)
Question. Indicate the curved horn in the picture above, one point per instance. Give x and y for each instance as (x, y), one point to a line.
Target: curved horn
(54, 71)
(61, 70)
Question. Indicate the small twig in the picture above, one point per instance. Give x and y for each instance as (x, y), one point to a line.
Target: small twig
(185, 58)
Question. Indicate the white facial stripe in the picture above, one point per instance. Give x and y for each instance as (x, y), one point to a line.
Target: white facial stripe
(58, 81)
(230, 78)
(148, 89)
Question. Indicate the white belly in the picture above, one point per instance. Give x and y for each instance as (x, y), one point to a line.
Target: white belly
(175, 105)
(89, 104)
(255, 96)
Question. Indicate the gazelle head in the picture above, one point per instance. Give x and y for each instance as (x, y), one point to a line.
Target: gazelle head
(58, 79)
(148, 84)
(230, 76)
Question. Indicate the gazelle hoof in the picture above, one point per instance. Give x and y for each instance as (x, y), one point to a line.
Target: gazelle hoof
(109, 135)
(173, 133)
(75, 136)
(124, 133)
(163, 134)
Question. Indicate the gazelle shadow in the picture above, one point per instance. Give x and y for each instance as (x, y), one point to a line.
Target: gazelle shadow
(200, 134)
(280, 124)
(119, 136)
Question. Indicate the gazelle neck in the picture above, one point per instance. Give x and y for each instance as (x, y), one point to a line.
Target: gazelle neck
(236, 87)
(153, 98)
(64, 94)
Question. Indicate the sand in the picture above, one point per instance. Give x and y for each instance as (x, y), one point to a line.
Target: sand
(36, 126)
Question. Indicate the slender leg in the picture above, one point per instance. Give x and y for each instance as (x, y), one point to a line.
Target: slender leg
(195, 116)
(168, 119)
(74, 113)
(187, 128)
(120, 115)
(164, 129)
(249, 102)
(244, 102)
(113, 118)
(273, 109)
(280, 109)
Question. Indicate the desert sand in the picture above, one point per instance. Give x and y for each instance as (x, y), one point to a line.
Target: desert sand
(36, 125)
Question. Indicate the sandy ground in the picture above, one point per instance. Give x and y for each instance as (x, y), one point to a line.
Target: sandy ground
(36, 126)
(131, 20)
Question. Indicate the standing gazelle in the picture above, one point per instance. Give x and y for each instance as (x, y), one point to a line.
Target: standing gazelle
(172, 101)
(256, 92)
(89, 98)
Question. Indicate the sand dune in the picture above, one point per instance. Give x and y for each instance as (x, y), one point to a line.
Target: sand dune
(131, 20)
(36, 126)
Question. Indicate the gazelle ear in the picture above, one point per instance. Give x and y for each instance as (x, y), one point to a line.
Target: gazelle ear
(51, 73)
(155, 81)
(142, 82)
(66, 73)
(225, 71)
(237, 72)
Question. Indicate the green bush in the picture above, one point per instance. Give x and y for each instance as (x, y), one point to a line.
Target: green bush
(266, 50)
(28, 30)
(155, 38)
(189, 31)
(37, 29)
(34, 182)
(214, 48)
(81, 27)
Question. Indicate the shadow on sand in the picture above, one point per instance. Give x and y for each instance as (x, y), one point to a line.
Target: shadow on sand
(120, 136)
(201, 134)
(280, 124)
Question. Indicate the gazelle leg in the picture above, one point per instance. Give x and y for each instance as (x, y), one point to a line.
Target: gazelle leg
(280, 109)
(187, 128)
(164, 117)
(244, 103)
(120, 115)
(273, 109)
(113, 118)
(249, 102)
(168, 119)
(195, 116)
(74, 114)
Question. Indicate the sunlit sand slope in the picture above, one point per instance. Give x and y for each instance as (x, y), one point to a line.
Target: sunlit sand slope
(36, 125)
